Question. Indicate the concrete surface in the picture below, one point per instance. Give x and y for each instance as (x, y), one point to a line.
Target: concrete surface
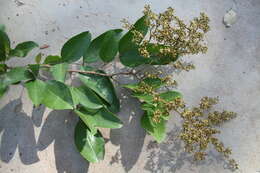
(41, 141)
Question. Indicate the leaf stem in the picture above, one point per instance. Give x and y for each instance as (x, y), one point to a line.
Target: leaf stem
(130, 73)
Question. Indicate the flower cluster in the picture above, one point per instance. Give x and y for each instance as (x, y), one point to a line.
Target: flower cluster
(173, 37)
(199, 128)
(199, 125)
(170, 37)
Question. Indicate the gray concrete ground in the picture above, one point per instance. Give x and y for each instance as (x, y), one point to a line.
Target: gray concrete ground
(41, 140)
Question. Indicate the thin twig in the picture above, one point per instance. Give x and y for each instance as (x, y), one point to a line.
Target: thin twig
(95, 73)
(101, 74)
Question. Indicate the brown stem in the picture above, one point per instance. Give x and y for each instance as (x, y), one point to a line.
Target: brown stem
(96, 73)
(101, 74)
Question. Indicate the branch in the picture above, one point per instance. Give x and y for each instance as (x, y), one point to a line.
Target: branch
(96, 73)
(101, 74)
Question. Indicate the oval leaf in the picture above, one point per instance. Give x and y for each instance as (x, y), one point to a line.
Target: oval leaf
(36, 91)
(102, 118)
(129, 54)
(155, 56)
(157, 130)
(85, 97)
(3, 68)
(75, 47)
(3, 88)
(103, 47)
(38, 58)
(59, 71)
(126, 42)
(4, 46)
(57, 96)
(170, 95)
(103, 87)
(52, 60)
(22, 49)
(132, 58)
(34, 69)
(2, 27)
(17, 74)
(109, 47)
(91, 147)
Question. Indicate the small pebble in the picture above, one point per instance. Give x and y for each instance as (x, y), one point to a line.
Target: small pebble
(230, 18)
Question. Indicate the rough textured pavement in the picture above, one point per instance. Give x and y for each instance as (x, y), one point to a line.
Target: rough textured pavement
(41, 141)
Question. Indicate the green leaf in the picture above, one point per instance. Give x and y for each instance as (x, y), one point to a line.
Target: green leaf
(103, 47)
(126, 42)
(102, 118)
(34, 69)
(4, 46)
(131, 86)
(86, 98)
(109, 47)
(36, 90)
(155, 56)
(52, 60)
(157, 130)
(3, 88)
(38, 58)
(103, 87)
(88, 119)
(148, 107)
(91, 147)
(17, 74)
(143, 97)
(59, 71)
(132, 58)
(170, 95)
(22, 49)
(146, 124)
(129, 54)
(154, 82)
(57, 96)
(75, 47)
(92, 54)
(3, 68)
(2, 27)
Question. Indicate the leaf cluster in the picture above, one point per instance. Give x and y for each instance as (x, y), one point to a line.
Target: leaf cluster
(154, 39)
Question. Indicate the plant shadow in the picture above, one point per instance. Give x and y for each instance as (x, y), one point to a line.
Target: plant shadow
(170, 156)
(131, 136)
(59, 128)
(17, 132)
(37, 114)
